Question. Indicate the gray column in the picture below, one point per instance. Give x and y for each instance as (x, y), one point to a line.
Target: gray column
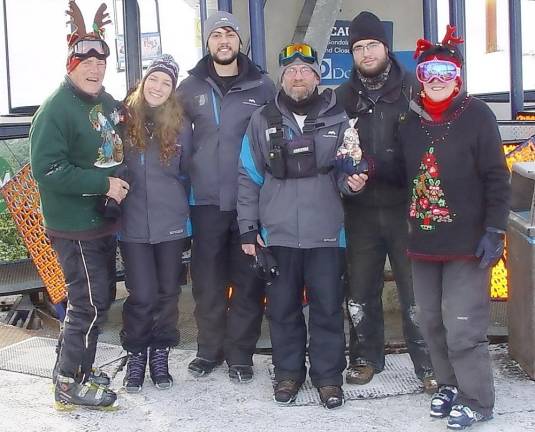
(515, 50)
(132, 42)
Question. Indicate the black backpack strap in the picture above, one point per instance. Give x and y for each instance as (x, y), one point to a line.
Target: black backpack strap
(274, 121)
(311, 119)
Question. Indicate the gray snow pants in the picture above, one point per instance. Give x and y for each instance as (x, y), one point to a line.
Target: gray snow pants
(453, 309)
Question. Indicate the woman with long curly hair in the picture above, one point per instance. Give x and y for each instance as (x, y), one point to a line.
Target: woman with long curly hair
(155, 224)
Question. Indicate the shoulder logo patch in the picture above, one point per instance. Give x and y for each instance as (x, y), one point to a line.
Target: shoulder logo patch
(201, 99)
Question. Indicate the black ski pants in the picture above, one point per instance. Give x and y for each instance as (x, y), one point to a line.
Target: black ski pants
(320, 271)
(228, 329)
(372, 234)
(150, 312)
(89, 270)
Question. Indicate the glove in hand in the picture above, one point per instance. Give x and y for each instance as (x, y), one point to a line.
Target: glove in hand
(345, 165)
(490, 248)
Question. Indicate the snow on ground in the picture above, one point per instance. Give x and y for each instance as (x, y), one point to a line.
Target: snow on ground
(215, 404)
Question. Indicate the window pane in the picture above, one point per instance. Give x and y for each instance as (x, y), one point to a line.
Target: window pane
(38, 48)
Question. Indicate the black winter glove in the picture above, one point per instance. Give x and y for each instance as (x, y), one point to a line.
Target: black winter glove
(490, 248)
(346, 166)
(249, 237)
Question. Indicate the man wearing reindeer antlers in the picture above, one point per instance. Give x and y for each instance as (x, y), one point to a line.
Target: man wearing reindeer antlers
(75, 148)
(377, 95)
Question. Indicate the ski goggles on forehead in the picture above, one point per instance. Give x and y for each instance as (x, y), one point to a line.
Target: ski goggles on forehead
(86, 48)
(442, 70)
(303, 51)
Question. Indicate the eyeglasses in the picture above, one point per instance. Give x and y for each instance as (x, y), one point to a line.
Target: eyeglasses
(85, 48)
(372, 46)
(303, 51)
(304, 70)
(442, 70)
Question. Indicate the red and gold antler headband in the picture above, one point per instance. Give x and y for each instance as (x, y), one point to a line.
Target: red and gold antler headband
(423, 44)
(449, 39)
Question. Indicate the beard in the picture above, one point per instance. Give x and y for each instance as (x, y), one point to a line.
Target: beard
(377, 70)
(224, 61)
(299, 94)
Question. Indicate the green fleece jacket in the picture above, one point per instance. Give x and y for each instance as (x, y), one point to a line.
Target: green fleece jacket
(74, 147)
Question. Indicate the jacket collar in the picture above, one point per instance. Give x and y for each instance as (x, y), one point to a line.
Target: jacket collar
(252, 73)
(458, 103)
(390, 92)
(86, 97)
(330, 112)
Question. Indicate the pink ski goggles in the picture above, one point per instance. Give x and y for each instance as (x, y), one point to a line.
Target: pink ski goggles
(442, 70)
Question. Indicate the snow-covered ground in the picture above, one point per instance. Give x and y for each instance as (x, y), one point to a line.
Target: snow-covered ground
(215, 404)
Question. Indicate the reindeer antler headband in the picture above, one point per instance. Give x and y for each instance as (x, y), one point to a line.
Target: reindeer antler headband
(77, 20)
(449, 42)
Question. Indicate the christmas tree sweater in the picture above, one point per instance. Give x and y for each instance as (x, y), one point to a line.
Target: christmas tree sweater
(457, 177)
(74, 147)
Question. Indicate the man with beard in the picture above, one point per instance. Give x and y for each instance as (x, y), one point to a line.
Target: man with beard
(377, 96)
(290, 193)
(219, 96)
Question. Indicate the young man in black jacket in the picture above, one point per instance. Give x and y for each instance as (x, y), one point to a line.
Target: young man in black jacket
(219, 96)
(377, 95)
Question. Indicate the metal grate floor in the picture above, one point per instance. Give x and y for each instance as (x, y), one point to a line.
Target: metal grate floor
(398, 378)
(36, 356)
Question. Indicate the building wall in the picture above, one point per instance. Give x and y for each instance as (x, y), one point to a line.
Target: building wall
(281, 18)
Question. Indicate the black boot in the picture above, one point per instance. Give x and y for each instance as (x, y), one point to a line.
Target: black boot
(69, 394)
(285, 391)
(240, 373)
(159, 368)
(199, 367)
(331, 396)
(135, 372)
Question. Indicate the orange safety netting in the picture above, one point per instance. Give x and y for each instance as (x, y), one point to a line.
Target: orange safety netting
(22, 199)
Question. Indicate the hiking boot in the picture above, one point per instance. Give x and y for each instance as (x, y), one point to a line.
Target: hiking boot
(443, 401)
(135, 371)
(331, 396)
(200, 367)
(462, 417)
(69, 395)
(285, 391)
(240, 373)
(429, 384)
(159, 368)
(359, 373)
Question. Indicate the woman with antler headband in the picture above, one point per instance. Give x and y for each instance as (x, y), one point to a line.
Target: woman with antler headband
(459, 186)
(75, 151)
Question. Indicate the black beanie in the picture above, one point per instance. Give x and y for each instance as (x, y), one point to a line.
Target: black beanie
(366, 26)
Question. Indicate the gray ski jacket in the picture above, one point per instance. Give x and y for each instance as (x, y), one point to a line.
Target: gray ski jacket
(218, 123)
(156, 208)
(295, 212)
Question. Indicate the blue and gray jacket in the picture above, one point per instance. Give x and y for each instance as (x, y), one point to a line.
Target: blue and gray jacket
(294, 212)
(218, 123)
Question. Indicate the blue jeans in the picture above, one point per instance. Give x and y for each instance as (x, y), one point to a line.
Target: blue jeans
(372, 234)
